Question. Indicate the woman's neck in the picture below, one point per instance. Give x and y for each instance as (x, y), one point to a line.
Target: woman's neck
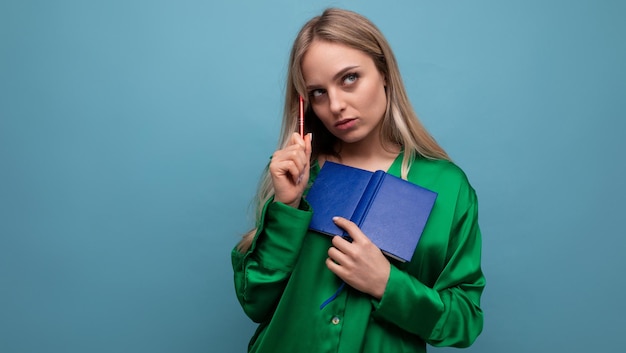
(368, 156)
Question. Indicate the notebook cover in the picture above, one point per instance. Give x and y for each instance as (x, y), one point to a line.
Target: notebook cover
(335, 192)
(393, 216)
(397, 217)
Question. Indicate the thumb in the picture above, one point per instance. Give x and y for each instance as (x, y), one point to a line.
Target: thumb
(308, 141)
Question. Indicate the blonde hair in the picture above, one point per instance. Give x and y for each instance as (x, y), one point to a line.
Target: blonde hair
(400, 124)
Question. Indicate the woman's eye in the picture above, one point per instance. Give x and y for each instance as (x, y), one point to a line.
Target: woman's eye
(350, 78)
(316, 93)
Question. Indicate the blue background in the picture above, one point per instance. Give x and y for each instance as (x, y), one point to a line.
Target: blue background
(132, 135)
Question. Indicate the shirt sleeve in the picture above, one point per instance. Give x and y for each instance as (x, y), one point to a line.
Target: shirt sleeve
(262, 272)
(449, 313)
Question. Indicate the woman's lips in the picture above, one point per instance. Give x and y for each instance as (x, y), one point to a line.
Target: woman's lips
(345, 124)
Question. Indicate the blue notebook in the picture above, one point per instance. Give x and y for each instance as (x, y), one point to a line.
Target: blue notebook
(392, 212)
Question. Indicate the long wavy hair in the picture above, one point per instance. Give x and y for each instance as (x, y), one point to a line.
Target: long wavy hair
(400, 124)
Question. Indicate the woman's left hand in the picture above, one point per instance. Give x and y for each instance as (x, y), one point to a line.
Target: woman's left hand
(359, 263)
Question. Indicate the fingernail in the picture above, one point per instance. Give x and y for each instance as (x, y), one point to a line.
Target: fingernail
(299, 179)
(335, 219)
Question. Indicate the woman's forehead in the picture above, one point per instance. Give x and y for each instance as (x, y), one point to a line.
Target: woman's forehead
(324, 60)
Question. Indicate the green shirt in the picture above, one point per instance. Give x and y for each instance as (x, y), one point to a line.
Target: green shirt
(282, 280)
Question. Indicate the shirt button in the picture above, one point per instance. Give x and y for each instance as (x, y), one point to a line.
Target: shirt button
(335, 320)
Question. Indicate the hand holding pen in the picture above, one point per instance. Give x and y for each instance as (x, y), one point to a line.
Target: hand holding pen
(289, 167)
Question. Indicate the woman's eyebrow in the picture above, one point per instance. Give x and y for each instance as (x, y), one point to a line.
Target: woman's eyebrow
(344, 71)
(337, 76)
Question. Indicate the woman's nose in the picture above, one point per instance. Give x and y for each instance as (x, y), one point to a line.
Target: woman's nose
(336, 101)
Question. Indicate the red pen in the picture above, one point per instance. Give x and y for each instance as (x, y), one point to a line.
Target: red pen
(301, 117)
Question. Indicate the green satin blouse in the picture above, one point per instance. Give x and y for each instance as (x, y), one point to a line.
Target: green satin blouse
(282, 280)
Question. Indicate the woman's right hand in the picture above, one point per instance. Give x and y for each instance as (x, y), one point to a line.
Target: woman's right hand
(289, 169)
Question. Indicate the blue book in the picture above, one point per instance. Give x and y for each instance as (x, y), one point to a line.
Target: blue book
(392, 212)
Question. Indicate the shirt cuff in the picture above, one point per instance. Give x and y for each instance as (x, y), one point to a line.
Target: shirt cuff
(283, 230)
(409, 304)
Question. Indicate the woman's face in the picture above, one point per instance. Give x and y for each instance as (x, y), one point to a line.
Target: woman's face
(345, 90)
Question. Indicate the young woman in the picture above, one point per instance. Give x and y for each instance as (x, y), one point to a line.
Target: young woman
(358, 114)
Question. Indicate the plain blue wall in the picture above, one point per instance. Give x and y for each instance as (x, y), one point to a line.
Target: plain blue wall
(132, 134)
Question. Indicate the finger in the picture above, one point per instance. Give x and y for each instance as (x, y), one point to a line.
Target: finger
(292, 151)
(295, 171)
(339, 256)
(308, 140)
(286, 168)
(341, 243)
(292, 154)
(336, 268)
(296, 139)
(351, 228)
(332, 265)
(306, 158)
(303, 146)
(299, 152)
